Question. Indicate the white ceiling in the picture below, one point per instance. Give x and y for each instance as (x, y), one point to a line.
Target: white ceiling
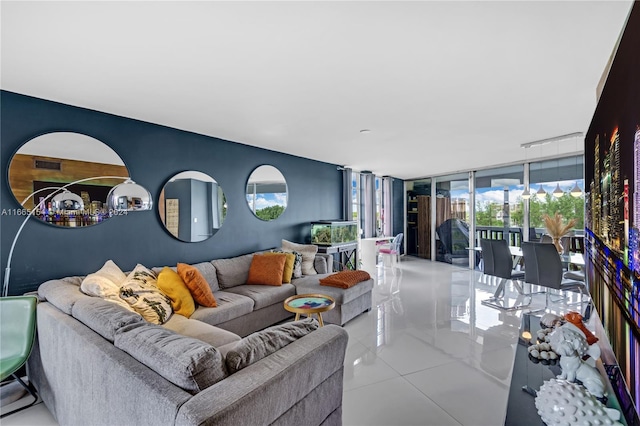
(443, 86)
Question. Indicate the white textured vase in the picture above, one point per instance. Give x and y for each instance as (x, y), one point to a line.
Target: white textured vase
(563, 403)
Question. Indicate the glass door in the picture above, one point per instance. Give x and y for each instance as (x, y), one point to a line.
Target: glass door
(499, 206)
(452, 219)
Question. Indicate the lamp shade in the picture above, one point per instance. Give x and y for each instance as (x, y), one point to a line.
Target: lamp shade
(67, 200)
(576, 191)
(541, 193)
(526, 194)
(557, 192)
(129, 196)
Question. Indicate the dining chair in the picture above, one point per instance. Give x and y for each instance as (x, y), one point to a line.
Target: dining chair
(543, 267)
(393, 248)
(498, 263)
(17, 334)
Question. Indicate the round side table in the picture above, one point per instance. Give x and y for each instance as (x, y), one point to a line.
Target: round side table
(309, 304)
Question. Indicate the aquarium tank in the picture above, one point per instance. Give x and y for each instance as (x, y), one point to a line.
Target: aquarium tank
(333, 232)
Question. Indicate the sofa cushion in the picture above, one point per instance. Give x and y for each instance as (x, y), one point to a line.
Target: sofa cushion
(103, 316)
(186, 362)
(233, 271)
(320, 264)
(308, 252)
(210, 334)
(140, 290)
(258, 345)
(197, 285)
(264, 296)
(267, 269)
(307, 285)
(290, 259)
(63, 293)
(230, 306)
(171, 284)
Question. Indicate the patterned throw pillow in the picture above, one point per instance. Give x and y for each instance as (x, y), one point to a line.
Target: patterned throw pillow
(297, 262)
(308, 252)
(141, 291)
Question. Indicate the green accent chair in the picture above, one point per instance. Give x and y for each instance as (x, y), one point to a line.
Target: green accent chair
(17, 333)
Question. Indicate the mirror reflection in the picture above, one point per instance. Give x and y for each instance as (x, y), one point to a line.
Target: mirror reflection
(47, 162)
(192, 206)
(267, 192)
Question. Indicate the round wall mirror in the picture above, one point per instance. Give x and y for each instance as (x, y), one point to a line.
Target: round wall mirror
(192, 206)
(48, 162)
(267, 192)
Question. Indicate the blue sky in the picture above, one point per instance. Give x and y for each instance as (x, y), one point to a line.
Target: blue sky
(496, 194)
(266, 200)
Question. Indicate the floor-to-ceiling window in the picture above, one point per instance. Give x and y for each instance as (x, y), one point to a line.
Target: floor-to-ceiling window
(452, 219)
(556, 187)
(499, 211)
(510, 203)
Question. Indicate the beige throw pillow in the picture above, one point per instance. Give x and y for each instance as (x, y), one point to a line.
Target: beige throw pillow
(105, 283)
(308, 252)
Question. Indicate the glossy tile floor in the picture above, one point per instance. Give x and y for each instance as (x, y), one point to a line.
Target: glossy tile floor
(428, 353)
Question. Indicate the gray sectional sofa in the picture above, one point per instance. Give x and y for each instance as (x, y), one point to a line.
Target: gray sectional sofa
(96, 363)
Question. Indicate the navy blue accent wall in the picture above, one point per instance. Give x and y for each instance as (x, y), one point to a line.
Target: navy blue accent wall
(152, 153)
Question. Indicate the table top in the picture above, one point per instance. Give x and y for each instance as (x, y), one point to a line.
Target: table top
(309, 303)
(573, 258)
(377, 239)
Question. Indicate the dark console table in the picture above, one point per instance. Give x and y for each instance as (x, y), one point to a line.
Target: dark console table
(528, 376)
(345, 255)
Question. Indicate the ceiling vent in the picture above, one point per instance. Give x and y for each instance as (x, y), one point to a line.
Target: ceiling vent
(48, 165)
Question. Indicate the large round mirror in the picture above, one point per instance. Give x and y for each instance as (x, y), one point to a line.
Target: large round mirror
(48, 162)
(267, 192)
(192, 206)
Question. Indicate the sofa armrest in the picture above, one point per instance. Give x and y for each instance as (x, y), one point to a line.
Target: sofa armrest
(323, 263)
(264, 391)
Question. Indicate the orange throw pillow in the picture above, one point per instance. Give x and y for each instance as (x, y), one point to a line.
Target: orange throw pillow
(345, 279)
(197, 285)
(288, 265)
(267, 269)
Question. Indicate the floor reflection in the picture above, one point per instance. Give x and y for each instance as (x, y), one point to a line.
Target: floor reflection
(430, 339)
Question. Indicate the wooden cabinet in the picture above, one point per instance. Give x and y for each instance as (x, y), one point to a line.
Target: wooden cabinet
(418, 232)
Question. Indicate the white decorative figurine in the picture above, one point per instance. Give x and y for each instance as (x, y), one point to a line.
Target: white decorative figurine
(570, 343)
(573, 367)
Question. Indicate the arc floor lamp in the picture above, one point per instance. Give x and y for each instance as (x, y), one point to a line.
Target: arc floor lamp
(127, 196)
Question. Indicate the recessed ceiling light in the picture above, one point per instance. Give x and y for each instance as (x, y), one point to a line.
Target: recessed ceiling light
(364, 131)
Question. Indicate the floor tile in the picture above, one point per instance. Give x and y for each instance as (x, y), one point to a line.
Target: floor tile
(393, 402)
(470, 396)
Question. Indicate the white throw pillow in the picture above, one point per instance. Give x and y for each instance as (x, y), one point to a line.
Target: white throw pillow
(308, 252)
(105, 283)
(140, 290)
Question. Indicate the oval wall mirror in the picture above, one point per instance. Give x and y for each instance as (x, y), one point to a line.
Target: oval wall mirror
(48, 162)
(192, 206)
(267, 193)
